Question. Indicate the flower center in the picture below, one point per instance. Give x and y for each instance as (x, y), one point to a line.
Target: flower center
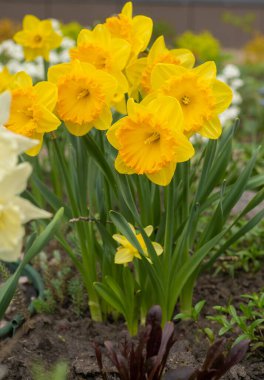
(37, 38)
(185, 100)
(84, 93)
(154, 137)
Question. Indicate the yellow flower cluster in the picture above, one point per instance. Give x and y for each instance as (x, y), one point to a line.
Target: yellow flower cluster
(108, 66)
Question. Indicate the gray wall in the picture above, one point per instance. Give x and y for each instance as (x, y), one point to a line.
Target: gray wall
(180, 14)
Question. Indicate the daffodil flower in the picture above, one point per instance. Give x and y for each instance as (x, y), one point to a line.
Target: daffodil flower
(127, 252)
(84, 96)
(139, 70)
(136, 30)
(31, 113)
(105, 52)
(14, 210)
(202, 97)
(38, 37)
(150, 140)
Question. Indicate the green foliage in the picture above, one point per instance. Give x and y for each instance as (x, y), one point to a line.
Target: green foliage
(59, 372)
(7, 290)
(247, 321)
(246, 254)
(251, 107)
(243, 22)
(163, 28)
(204, 46)
(71, 29)
(194, 313)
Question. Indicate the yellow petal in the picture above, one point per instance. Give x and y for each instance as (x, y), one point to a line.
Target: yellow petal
(164, 71)
(120, 239)
(35, 150)
(128, 9)
(164, 176)
(78, 129)
(223, 96)
(157, 49)
(121, 50)
(57, 71)
(21, 80)
(48, 122)
(47, 94)
(104, 120)
(111, 134)
(123, 256)
(142, 27)
(31, 22)
(185, 57)
(167, 109)
(148, 230)
(85, 36)
(207, 70)
(212, 129)
(184, 149)
(158, 248)
(121, 167)
(108, 83)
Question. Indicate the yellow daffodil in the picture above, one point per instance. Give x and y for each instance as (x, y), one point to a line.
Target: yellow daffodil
(139, 70)
(37, 38)
(150, 139)
(106, 53)
(31, 113)
(136, 30)
(5, 79)
(84, 96)
(127, 252)
(14, 210)
(202, 97)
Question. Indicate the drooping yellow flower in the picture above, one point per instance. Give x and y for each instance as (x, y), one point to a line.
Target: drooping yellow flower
(139, 70)
(127, 252)
(37, 38)
(150, 139)
(202, 97)
(84, 96)
(31, 113)
(5, 79)
(99, 48)
(136, 30)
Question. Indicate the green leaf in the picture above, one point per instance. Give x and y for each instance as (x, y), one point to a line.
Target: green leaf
(96, 153)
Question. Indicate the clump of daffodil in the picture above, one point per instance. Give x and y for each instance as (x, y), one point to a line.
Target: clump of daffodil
(202, 97)
(31, 113)
(136, 30)
(38, 38)
(105, 52)
(150, 139)
(6, 79)
(139, 70)
(84, 96)
(127, 252)
(14, 210)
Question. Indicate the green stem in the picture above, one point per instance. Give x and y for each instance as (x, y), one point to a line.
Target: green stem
(85, 241)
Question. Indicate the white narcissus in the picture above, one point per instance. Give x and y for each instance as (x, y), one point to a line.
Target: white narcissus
(14, 210)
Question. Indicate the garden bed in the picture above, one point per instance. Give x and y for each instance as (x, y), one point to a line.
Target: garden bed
(64, 337)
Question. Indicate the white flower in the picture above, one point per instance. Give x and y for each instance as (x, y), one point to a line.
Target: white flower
(231, 71)
(237, 83)
(14, 210)
(67, 43)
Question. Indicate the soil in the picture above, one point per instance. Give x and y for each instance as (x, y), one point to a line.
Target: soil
(62, 336)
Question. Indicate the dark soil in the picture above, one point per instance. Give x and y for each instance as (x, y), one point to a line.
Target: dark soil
(63, 336)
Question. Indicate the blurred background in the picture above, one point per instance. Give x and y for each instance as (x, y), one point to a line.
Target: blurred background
(233, 22)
